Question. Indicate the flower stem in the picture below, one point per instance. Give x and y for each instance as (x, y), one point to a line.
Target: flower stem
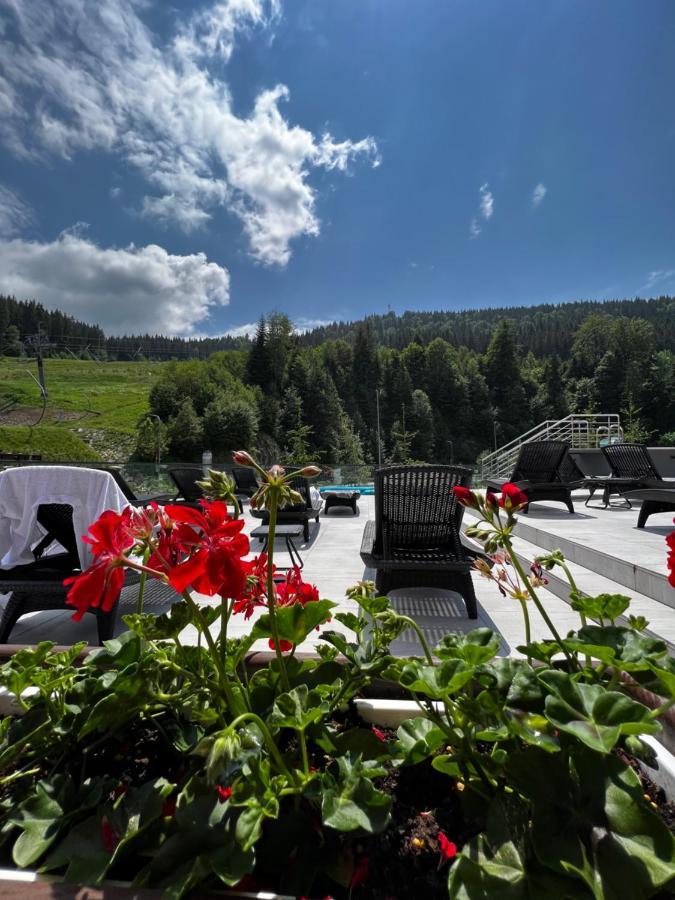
(273, 494)
(215, 655)
(141, 585)
(537, 602)
(269, 740)
(423, 641)
(526, 618)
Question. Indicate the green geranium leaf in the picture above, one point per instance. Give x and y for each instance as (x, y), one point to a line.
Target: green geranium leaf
(165, 627)
(296, 622)
(418, 739)
(476, 647)
(617, 646)
(40, 818)
(349, 620)
(595, 716)
(436, 681)
(298, 709)
(83, 853)
(350, 801)
(603, 608)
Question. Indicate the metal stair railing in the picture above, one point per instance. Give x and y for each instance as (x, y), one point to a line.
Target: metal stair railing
(579, 430)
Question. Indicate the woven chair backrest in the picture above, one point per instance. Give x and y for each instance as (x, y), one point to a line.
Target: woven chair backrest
(591, 463)
(539, 461)
(121, 483)
(568, 470)
(631, 461)
(244, 478)
(57, 520)
(301, 485)
(415, 507)
(186, 480)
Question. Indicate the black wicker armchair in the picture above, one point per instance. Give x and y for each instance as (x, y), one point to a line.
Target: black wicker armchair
(537, 473)
(38, 586)
(129, 493)
(414, 540)
(185, 478)
(299, 513)
(635, 477)
(245, 481)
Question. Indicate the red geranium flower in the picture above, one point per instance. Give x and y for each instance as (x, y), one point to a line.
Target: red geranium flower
(380, 735)
(295, 590)
(360, 873)
(284, 646)
(465, 496)
(109, 836)
(514, 495)
(670, 562)
(447, 848)
(224, 793)
(217, 545)
(256, 586)
(100, 585)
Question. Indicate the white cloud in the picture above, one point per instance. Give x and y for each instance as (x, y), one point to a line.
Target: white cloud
(93, 76)
(486, 208)
(15, 214)
(487, 201)
(126, 291)
(658, 276)
(538, 194)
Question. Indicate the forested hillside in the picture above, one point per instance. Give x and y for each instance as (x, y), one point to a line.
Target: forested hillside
(448, 385)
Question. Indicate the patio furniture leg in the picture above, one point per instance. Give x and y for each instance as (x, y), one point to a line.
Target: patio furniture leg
(10, 617)
(106, 624)
(469, 596)
(305, 529)
(293, 553)
(591, 491)
(570, 505)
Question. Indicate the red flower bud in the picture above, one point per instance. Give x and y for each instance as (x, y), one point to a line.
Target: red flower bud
(379, 734)
(242, 458)
(465, 496)
(109, 836)
(446, 846)
(360, 873)
(491, 500)
(514, 495)
(224, 793)
(310, 471)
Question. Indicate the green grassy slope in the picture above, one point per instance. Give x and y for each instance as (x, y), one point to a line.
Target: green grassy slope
(99, 402)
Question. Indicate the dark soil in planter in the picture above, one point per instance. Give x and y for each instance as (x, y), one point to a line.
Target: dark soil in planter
(405, 861)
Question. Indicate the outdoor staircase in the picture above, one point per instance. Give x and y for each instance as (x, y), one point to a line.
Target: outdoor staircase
(578, 430)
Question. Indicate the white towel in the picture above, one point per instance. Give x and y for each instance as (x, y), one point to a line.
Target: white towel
(89, 491)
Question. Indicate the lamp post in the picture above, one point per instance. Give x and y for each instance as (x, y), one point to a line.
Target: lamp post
(379, 438)
(158, 450)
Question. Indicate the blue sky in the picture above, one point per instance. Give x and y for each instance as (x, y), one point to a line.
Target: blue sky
(187, 168)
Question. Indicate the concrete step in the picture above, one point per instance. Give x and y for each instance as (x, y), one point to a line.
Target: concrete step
(589, 582)
(626, 573)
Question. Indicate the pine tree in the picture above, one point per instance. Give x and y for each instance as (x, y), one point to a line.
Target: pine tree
(186, 433)
(258, 369)
(507, 391)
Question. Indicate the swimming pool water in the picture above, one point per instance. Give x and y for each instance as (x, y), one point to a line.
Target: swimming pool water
(366, 489)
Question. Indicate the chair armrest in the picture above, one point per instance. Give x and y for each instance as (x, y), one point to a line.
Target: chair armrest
(474, 550)
(368, 541)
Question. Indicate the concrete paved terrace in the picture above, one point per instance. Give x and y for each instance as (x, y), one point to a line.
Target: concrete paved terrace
(607, 553)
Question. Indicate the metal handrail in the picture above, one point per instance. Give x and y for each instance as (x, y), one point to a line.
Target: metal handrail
(579, 430)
